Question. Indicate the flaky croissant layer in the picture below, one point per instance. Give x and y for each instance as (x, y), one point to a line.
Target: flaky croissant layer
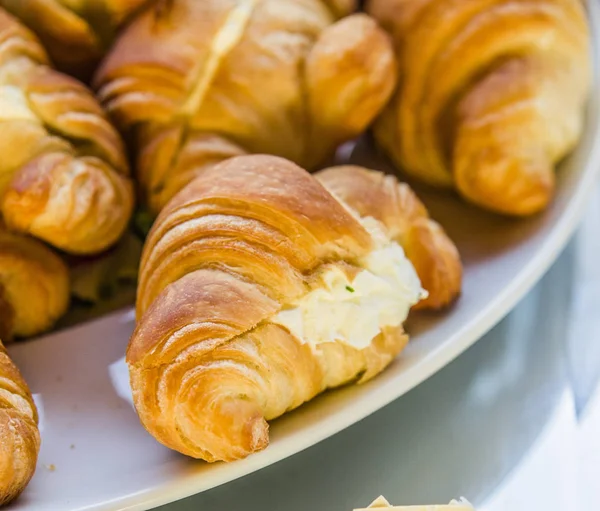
(63, 172)
(492, 95)
(242, 282)
(283, 77)
(34, 286)
(19, 435)
(394, 205)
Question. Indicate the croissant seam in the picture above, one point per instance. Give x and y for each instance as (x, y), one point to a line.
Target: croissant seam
(236, 21)
(306, 277)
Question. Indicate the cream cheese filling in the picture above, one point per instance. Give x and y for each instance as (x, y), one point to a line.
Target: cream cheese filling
(354, 309)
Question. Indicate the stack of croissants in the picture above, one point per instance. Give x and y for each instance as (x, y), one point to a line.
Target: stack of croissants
(263, 284)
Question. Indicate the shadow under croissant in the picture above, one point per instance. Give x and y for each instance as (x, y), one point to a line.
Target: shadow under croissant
(104, 284)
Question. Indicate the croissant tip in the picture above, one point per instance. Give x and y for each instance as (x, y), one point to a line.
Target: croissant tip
(258, 430)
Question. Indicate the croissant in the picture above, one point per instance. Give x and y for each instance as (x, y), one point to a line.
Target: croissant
(76, 33)
(259, 289)
(19, 435)
(492, 95)
(34, 286)
(63, 172)
(374, 195)
(193, 83)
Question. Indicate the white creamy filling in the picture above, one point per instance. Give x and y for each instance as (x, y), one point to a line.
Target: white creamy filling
(355, 311)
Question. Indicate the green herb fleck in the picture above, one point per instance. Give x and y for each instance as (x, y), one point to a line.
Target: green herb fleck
(349, 288)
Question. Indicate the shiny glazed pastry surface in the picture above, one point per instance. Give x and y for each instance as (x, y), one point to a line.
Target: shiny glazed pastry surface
(196, 82)
(491, 97)
(243, 282)
(63, 172)
(76, 33)
(19, 435)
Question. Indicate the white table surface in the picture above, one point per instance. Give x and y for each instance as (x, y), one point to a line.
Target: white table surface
(513, 424)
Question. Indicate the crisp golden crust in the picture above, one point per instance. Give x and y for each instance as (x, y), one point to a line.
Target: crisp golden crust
(34, 286)
(208, 366)
(64, 174)
(19, 435)
(172, 158)
(76, 33)
(235, 211)
(488, 114)
(17, 42)
(432, 253)
(236, 69)
(350, 74)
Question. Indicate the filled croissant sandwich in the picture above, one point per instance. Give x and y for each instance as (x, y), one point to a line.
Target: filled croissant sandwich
(492, 95)
(261, 286)
(19, 435)
(192, 83)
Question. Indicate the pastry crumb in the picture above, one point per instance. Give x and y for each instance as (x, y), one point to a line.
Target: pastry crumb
(51, 467)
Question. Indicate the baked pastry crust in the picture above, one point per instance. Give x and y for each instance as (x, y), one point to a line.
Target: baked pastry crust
(76, 33)
(395, 205)
(34, 286)
(209, 365)
(64, 176)
(19, 434)
(492, 95)
(282, 77)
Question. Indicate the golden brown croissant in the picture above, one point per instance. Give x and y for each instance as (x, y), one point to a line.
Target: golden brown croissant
(492, 94)
(196, 82)
(19, 435)
(34, 286)
(395, 205)
(259, 290)
(63, 171)
(76, 33)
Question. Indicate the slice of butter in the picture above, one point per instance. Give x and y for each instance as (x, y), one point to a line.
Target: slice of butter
(382, 503)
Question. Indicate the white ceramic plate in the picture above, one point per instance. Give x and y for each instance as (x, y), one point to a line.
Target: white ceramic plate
(96, 456)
